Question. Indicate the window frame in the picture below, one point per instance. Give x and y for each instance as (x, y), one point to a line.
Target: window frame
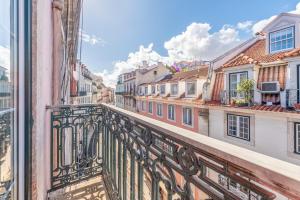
(186, 88)
(162, 86)
(279, 30)
(153, 89)
(174, 112)
(150, 102)
(238, 127)
(146, 90)
(192, 117)
(296, 138)
(161, 109)
(172, 84)
(237, 82)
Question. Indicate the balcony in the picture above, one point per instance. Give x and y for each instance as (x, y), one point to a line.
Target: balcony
(234, 97)
(293, 99)
(141, 158)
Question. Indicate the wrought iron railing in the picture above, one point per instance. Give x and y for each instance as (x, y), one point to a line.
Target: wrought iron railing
(233, 96)
(141, 160)
(6, 139)
(293, 98)
(75, 144)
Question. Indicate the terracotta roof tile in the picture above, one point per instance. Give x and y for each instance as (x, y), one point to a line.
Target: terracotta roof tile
(256, 53)
(189, 75)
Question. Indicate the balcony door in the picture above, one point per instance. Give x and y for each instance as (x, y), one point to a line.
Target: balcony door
(234, 81)
(298, 83)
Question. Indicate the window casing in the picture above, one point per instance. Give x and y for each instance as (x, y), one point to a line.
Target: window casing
(153, 89)
(159, 110)
(191, 89)
(187, 116)
(281, 40)
(162, 89)
(150, 105)
(171, 112)
(146, 90)
(234, 81)
(238, 126)
(174, 89)
(297, 138)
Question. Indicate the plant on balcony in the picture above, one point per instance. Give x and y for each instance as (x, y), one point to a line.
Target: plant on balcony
(245, 88)
(297, 106)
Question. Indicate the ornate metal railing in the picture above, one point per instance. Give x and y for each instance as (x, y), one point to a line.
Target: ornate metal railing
(75, 144)
(234, 96)
(140, 160)
(6, 139)
(293, 98)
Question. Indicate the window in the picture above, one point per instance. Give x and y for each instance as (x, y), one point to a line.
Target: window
(150, 107)
(143, 105)
(238, 126)
(162, 89)
(146, 90)
(153, 89)
(297, 138)
(174, 89)
(171, 112)
(282, 40)
(191, 88)
(234, 81)
(159, 110)
(187, 116)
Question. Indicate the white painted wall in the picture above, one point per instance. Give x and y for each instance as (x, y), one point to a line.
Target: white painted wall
(270, 135)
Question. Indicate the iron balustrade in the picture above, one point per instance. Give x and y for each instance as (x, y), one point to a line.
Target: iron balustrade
(292, 98)
(6, 139)
(140, 161)
(231, 96)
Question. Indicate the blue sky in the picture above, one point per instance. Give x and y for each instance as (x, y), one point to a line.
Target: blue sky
(119, 34)
(115, 28)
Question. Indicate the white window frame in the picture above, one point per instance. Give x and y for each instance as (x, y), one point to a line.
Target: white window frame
(186, 88)
(236, 121)
(192, 117)
(159, 107)
(233, 91)
(150, 102)
(281, 33)
(162, 90)
(174, 94)
(297, 138)
(153, 91)
(172, 112)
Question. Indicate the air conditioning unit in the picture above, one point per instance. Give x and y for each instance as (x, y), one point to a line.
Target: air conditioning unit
(270, 87)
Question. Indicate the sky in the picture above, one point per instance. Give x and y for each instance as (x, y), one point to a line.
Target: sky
(119, 34)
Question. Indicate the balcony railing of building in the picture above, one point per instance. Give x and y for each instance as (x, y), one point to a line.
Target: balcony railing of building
(237, 97)
(293, 99)
(6, 139)
(82, 93)
(142, 158)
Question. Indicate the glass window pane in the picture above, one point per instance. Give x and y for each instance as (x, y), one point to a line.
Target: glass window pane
(7, 61)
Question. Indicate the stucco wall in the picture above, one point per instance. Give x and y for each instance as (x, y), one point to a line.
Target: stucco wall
(178, 116)
(42, 96)
(269, 134)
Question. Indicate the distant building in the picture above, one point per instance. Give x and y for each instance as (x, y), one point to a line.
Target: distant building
(5, 89)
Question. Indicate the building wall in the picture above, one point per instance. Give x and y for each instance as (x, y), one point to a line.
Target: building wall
(178, 115)
(270, 134)
(42, 87)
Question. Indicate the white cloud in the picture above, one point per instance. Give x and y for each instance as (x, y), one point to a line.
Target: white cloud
(91, 39)
(246, 25)
(4, 57)
(198, 43)
(258, 26)
(134, 60)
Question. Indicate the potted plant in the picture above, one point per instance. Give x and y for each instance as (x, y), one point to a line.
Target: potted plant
(245, 87)
(297, 106)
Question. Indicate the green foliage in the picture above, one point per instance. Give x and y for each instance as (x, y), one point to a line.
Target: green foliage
(246, 87)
